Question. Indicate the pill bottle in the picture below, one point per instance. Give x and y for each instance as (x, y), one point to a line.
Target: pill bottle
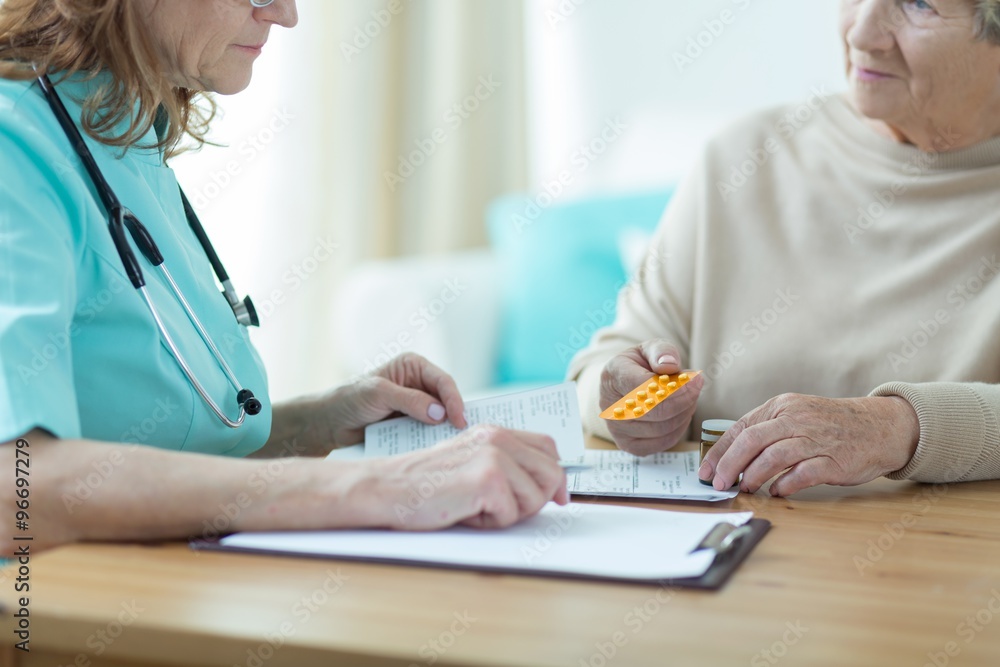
(711, 431)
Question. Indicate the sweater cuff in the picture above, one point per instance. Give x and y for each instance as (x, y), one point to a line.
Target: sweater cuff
(955, 425)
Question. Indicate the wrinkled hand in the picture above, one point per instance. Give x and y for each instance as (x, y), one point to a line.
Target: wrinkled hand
(844, 442)
(487, 477)
(407, 385)
(663, 426)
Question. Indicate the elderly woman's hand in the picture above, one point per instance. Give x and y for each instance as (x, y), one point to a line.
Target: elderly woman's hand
(408, 385)
(817, 440)
(665, 425)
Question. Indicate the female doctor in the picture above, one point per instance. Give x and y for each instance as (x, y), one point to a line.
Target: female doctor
(127, 381)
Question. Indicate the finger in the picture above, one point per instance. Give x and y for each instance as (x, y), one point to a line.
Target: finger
(562, 493)
(534, 479)
(653, 445)
(811, 472)
(443, 386)
(778, 457)
(543, 468)
(680, 407)
(711, 463)
(499, 504)
(625, 371)
(536, 455)
(745, 448)
(662, 357)
(411, 402)
(507, 438)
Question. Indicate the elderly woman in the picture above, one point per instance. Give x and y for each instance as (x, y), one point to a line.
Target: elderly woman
(135, 423)
(833, 269)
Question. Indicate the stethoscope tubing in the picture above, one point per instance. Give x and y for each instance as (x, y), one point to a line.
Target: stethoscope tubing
(121, 219)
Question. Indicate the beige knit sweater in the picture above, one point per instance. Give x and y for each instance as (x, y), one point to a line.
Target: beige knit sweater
(806, 253)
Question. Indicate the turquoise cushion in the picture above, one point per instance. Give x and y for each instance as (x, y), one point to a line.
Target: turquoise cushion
(561, 268)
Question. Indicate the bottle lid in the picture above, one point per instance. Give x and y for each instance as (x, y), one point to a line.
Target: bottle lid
(716, 426)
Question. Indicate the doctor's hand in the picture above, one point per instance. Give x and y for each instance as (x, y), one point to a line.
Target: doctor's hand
(665, 425)
(487, 477)
(815, 440)
(408, 385)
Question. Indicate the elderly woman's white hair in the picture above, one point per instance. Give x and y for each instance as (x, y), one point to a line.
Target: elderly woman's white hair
(988, 20)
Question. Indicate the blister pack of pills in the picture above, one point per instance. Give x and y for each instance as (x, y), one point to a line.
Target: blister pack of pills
(647, 396)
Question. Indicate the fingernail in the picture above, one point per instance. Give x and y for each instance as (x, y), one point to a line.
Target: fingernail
(719, 484)
(705, 471)
(436, 412)
(667, 360)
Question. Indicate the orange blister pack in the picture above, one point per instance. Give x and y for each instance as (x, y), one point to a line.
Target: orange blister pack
(647, 396)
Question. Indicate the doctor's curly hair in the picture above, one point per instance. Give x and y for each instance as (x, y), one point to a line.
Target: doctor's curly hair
(91, 36)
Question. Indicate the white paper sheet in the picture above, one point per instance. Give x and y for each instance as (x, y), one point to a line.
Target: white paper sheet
(581, 539)
(672, 475)
(553, 411)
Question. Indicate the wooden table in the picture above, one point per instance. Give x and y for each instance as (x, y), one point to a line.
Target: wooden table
(890, 573)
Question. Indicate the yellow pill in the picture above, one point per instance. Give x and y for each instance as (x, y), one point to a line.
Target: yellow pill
(672, 385)
(652, 387)
(630, 403)
(642, 396)
(683, 376)
(661, 394)
(664, 379)
(650, 402)
(619, 413)
(638, 410)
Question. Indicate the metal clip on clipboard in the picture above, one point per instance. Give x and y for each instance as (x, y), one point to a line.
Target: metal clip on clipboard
(724, 538)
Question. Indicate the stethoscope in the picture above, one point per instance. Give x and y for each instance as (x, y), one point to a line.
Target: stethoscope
(120, 219)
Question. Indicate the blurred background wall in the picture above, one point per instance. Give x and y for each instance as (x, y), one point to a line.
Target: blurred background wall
(382, 129)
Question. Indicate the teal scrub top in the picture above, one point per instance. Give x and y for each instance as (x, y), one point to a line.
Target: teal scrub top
(80, 353)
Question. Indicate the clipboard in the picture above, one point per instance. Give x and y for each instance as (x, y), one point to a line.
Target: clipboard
(721, 543)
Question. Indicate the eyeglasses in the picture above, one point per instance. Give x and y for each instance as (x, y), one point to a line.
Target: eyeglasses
(261, 3)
